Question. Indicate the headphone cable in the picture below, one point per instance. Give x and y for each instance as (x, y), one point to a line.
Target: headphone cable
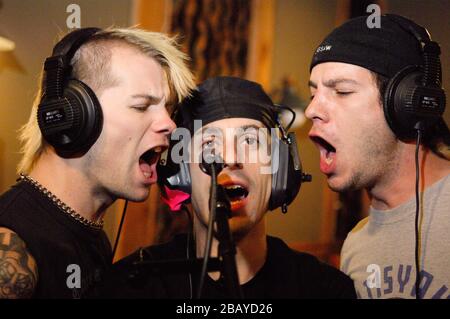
(287, 108)
(188, 240)
(120, 229)
(419, 129)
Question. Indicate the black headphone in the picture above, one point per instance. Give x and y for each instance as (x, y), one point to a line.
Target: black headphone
(69, 114)
(286, 180)
(414, 95)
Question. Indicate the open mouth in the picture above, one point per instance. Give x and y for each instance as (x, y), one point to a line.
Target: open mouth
(323, 144)
(152, 155)
(148, 159)
(236, 192)
(327, 153)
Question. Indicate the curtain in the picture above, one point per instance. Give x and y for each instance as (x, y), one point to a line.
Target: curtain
(214, 34)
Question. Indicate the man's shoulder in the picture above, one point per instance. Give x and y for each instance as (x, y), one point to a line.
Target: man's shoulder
(280, 249)
(12, 203)
(20, 210)
(10, 197)
(305, 262)
(18, 197)
(359, 226)
(355, 236)
(325, 281)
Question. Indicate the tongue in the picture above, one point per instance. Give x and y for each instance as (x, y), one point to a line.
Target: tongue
(235, 198)
(327, 161)
(145, 168)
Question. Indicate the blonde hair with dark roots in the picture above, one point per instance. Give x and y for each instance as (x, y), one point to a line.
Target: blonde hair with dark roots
(91, 64)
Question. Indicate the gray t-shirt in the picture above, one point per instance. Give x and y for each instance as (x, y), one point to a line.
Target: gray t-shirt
(379, 253)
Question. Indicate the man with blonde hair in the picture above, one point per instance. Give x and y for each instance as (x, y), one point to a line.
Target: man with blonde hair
(99, 123)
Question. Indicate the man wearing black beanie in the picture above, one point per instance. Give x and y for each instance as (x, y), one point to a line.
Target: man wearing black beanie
(373, 91)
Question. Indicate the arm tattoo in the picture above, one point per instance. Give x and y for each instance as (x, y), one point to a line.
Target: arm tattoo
(18, 270)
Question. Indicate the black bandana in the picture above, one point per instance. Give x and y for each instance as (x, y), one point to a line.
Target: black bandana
(226, 97)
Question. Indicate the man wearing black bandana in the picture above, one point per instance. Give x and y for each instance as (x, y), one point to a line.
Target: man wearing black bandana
(232, 112)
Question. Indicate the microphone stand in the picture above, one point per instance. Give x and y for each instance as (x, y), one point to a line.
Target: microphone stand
(227, 249)
(220, 212)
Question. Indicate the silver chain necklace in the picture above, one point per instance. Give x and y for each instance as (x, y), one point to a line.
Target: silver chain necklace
(61, 205)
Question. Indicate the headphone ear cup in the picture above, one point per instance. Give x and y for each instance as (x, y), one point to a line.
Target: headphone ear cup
(73, 123)
(279, 172)
(396, 116)
(286, 172)
(295, 170)
(407, 102)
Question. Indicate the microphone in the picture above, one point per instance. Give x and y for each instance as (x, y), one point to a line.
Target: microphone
(210, 161)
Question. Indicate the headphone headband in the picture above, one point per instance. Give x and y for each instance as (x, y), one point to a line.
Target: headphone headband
(420, 33)
(430, 49)
(70, 43)
(57, 67)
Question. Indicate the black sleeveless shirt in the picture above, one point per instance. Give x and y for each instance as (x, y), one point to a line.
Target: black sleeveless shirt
(56, 241)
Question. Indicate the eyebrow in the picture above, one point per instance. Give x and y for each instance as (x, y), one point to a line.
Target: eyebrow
(151, 99)
(243, 127)
(213, 129)
(332, 83)
(246, 127)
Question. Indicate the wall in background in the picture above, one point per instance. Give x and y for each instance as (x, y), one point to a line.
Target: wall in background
(299, 28)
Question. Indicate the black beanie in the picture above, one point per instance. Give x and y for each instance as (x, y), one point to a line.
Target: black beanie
(385, 50)
(226, 97)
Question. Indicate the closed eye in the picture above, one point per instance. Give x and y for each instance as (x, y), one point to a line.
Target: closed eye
(344, 92)
(141, 102)
(141, 108)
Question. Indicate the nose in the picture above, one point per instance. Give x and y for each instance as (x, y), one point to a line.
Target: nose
(316, 110)
(164, 124)
(230, 154)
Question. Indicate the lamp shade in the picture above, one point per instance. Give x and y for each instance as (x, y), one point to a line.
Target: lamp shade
(6, 44)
